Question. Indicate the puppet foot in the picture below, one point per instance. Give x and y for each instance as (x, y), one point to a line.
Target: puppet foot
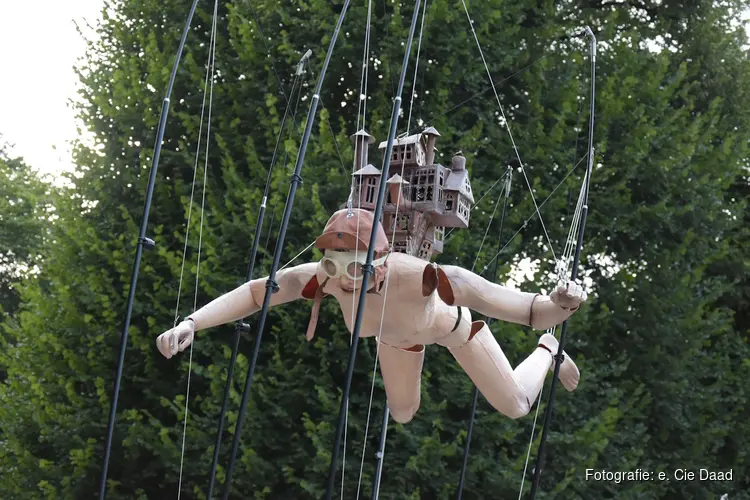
(569, 374)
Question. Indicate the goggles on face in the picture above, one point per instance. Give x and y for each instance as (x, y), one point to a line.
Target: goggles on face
(349, 264)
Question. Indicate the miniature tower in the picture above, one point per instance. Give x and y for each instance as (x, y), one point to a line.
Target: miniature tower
(420, 204)
(362, 141)
(432, 196)
(432, 136)
(365, 176)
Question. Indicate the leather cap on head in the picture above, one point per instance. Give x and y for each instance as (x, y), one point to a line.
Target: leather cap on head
(341, 232)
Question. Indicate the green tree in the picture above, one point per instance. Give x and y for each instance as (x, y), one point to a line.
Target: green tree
(24, 213)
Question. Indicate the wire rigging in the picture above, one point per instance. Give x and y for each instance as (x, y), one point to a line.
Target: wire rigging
(381, 452)
(368, 268)
(507, 126)
(560, 265)
(488, 320)
(210, 69)
(560, 271)
(242, 326)
(271, 284)
(195, 174)
(357, 158)
(143, 241)
(528, 219)
(574, 271)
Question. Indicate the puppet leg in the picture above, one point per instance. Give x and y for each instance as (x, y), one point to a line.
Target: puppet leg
(511, 392)
(402, 375)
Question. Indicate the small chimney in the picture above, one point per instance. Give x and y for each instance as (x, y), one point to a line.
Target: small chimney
(362, 141)
(432, 136)
(458, 162)
(396, 192)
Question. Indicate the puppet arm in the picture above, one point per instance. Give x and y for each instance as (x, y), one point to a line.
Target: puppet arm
(460, 287)
(248, 298)
(243, 301)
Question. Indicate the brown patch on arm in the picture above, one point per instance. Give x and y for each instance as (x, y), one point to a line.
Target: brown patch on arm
(310, 288)
(444, 288)
(429, 280)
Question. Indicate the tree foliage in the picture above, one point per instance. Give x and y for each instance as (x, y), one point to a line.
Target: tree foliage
(25, 210)
(662, 343)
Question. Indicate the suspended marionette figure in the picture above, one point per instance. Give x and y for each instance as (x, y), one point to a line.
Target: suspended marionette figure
(425, 303)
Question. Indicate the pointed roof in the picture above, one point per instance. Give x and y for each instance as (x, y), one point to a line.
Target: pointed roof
(431, 131)
(368, 170)
(362, 133)
(457, 181)
(397, 179)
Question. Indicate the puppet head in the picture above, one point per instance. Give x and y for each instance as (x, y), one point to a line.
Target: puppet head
(345, 241)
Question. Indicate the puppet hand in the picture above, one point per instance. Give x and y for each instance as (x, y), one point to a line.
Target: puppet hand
(177, 339)
(569, 296)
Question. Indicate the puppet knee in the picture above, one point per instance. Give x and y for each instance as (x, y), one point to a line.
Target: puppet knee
(520, 407)
(402, 415)
(484, 361)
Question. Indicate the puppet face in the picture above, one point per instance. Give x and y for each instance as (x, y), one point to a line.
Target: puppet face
(346, 267)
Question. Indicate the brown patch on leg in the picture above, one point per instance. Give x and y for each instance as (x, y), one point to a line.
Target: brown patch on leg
(415, 348)
(429, 280)
(444, 288)
(546, 348)
(475, 327)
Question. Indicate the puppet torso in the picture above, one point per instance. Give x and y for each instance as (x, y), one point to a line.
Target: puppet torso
(408, 317)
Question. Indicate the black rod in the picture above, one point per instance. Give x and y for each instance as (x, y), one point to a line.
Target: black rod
(380, 455)
(368, 269)
(573, 276)
(271, 285)
(142, 241)
(488, 320)
(469, 431)
(241, 326)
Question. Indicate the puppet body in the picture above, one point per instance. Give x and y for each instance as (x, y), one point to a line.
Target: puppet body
(411, 304)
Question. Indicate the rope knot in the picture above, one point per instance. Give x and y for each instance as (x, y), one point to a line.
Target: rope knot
(272, 285)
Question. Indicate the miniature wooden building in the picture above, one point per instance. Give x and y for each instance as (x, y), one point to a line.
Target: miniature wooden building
(422, 197)
(366, 176)
(366, 182)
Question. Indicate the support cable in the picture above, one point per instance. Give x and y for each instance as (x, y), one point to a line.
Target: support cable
(143, 241)
(357, 158)
(271, 285)
(560, 265)
(573, 275)
(380, 454)
(242, 326)
(210, 69)
(506, 122)
(367, 269)
(492, 278)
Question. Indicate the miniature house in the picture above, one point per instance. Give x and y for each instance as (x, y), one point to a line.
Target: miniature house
(366, 183)
(366, 176)
(408, 151)
(422, 197)
(458, 198)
